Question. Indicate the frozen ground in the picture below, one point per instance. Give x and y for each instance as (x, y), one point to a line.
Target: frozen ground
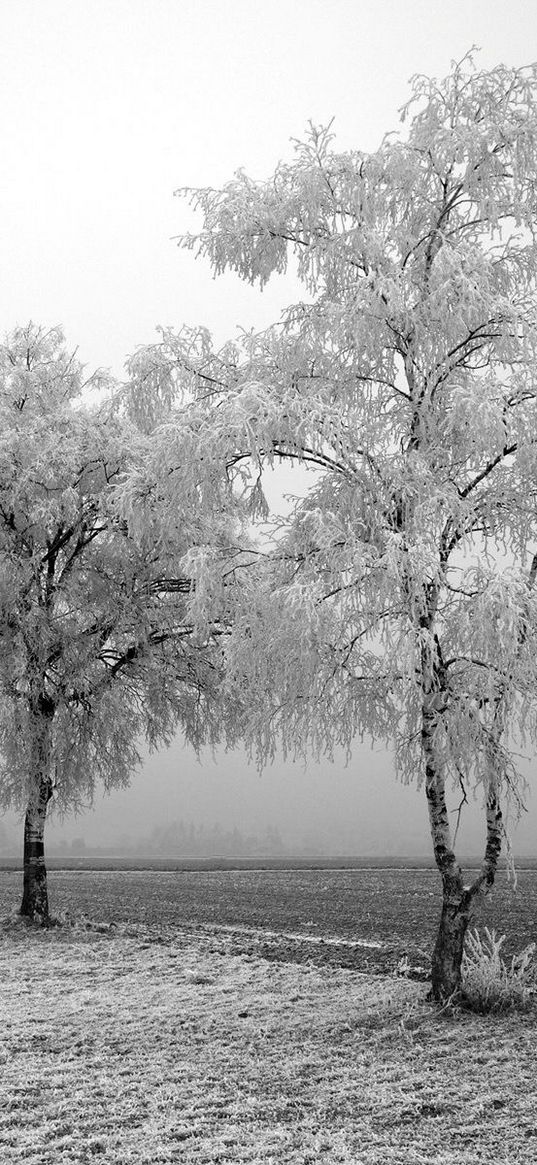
(154, 1045)
(376, 916)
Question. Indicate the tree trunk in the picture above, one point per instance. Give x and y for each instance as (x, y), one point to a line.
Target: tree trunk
(35, 893)
(448, 950)
(457, 899)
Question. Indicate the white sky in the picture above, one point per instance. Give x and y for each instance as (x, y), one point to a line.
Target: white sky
(107, 106)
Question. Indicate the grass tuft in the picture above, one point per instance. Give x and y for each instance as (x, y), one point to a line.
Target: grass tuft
(489, 983)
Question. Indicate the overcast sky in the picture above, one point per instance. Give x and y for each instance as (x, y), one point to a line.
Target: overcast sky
(106, 108)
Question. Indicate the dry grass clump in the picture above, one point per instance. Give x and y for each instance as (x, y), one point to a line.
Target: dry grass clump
(491, 984)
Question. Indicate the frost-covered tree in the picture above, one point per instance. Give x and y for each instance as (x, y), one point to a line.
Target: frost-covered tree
(400, 600)
(98, 647)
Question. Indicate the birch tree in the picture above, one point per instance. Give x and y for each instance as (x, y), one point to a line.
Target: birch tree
(98, 647)
(399, 603)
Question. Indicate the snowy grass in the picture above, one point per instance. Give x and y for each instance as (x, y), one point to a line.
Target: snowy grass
(134, 1045)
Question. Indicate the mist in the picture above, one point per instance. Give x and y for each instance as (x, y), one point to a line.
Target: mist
(179, 806)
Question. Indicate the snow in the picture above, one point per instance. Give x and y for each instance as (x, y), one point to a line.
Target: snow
(303, 937)
(127, 1045)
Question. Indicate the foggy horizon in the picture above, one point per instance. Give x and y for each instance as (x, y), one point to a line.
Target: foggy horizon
(325, 809)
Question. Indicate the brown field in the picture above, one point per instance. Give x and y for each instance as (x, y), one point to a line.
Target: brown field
(394, 908)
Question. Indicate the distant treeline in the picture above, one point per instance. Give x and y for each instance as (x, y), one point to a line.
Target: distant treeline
(179, 839)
